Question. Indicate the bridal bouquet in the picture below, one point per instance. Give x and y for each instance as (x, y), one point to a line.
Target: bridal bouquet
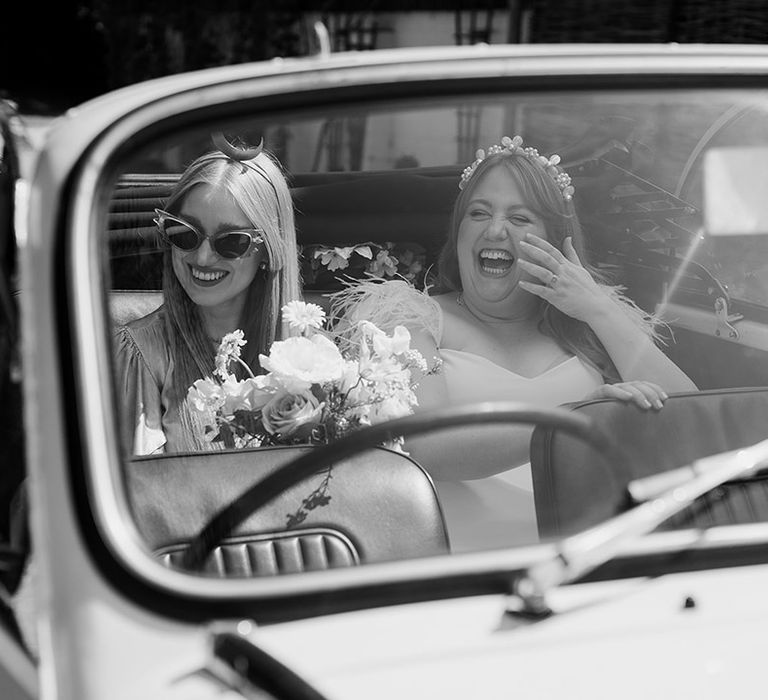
(313, 392)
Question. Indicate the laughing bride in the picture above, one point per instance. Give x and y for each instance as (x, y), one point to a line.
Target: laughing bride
(526, 320)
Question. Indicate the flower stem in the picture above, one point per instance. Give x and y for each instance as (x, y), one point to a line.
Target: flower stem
(247, 368)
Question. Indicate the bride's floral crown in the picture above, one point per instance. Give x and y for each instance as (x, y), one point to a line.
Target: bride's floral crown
(515, 145)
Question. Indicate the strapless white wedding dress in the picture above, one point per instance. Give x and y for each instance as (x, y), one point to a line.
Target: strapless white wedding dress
(498, 511)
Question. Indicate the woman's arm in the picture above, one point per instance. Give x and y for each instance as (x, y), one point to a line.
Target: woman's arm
(567, 285)
(633, 352)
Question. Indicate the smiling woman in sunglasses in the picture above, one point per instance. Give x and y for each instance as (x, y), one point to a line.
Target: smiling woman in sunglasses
(230, 261)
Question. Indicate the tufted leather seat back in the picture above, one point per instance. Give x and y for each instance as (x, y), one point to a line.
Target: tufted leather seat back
(286, 552)
(377, 506)
(575, 487)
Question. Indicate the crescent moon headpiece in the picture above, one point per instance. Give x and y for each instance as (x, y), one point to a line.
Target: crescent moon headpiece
(245, 156)
(234, 152)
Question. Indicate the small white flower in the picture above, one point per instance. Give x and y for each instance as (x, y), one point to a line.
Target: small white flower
(229, 350)
(400, 341)
(385, 265)
(335, 258)
(364, 251)
(415, 359)
(382, 344)
(303, 316)
(205, 395)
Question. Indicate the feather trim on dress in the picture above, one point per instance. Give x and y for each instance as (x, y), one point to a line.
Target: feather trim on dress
(649, 323)
(385, 303)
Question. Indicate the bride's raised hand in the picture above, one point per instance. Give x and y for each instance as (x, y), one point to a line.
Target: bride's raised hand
(560, 277)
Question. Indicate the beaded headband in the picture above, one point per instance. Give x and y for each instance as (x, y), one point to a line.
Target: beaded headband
(515, 145)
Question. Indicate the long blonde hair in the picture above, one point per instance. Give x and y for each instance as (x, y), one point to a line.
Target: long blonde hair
(259, 187)
(544, 197)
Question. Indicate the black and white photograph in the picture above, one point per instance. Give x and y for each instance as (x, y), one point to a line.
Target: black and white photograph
(373, 350)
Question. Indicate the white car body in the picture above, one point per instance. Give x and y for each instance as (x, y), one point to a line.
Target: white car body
(99, 632)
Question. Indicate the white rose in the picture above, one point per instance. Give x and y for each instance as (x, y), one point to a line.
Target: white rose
(297, 363)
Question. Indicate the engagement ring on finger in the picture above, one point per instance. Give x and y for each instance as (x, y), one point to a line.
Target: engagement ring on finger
(553, 281)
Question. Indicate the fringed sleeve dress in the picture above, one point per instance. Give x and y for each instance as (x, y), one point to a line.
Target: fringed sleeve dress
(152, 423)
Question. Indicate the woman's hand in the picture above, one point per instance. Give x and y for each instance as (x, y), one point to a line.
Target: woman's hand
(561, 279)
(646, 395)
(565, 282)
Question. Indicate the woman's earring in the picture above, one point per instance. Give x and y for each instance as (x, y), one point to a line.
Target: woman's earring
(263, 265)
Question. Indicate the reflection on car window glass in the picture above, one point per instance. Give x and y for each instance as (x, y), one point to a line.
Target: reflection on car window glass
(566, 262)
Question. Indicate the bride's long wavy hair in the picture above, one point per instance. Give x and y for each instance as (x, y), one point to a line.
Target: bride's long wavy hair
(262, 193)
(542, 195)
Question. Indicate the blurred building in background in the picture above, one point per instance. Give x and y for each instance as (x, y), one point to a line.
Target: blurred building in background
(71, 50)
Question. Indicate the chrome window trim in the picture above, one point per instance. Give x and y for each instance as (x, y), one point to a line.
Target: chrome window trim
(103, 463)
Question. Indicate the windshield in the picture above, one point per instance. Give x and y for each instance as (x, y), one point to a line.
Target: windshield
(624, 281)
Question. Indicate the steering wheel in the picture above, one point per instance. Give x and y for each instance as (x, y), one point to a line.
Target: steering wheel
(223, 523)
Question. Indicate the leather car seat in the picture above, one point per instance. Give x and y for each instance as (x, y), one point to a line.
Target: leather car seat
(575, 487)
(377, 506)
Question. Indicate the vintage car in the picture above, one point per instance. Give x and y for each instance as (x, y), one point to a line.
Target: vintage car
(207, 574)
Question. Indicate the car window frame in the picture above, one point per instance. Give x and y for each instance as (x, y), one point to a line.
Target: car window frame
(103, 511)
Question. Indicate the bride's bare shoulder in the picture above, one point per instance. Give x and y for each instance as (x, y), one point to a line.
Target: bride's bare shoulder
(454, 323)
(447, 302)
